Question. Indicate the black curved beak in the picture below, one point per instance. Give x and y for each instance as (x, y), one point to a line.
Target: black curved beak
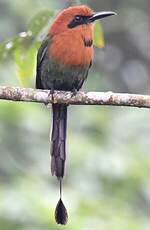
(100, 15)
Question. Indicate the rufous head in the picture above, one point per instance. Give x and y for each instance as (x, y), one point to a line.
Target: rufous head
(76, 17)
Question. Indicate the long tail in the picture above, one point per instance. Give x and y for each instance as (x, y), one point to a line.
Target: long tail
(58, 154)
(58, 140)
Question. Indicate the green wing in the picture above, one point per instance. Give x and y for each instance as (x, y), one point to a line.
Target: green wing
(42, 53)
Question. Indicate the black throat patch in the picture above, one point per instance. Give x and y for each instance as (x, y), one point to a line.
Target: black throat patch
(88, 42)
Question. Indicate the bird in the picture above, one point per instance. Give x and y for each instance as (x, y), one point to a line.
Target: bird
(63, 62)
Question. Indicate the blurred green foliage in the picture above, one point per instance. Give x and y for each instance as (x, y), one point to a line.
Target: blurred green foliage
(107, 183)
(23, 48)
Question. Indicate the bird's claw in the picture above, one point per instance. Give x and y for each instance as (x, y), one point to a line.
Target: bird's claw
(50, 94)
(74, 92)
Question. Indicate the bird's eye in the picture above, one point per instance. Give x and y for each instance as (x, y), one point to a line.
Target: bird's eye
(78, 18)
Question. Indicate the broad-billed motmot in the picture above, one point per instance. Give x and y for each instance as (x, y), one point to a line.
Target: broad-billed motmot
(63, 62)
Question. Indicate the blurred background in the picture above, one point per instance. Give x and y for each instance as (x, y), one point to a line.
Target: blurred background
(107, 182)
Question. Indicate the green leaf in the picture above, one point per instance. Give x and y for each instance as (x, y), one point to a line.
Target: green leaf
(25, 61)
(7, 48)
(98, 35)
(26, 39)
(39, 21)
(23, 48)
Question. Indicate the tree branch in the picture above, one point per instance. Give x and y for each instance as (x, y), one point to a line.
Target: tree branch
(81, 98)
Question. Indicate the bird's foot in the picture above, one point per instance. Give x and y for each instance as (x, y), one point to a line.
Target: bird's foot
(50, 94)
(74, 92)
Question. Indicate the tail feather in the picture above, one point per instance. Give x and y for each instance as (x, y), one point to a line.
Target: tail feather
(58, 140)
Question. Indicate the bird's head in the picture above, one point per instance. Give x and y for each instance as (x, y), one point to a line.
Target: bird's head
(74, 18)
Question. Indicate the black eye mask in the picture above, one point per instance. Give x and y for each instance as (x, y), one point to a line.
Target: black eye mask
(79, 20)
